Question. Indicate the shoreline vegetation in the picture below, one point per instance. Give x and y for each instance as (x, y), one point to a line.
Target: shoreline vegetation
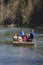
(12, 25)
(21, 13)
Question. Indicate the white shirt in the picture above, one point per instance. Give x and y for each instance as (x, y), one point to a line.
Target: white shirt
(20, 39)
(15, 37)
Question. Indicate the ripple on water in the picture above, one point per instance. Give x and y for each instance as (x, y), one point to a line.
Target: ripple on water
(10, 55)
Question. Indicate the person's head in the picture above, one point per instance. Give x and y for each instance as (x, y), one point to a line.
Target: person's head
(18, 34)
(21, 30)
(32, 30)
(15, 34)
(28, 34)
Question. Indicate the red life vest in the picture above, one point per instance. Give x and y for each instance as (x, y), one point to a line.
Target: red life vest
(24, 38)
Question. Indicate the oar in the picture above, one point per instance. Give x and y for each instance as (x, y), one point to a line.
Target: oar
(35, 43)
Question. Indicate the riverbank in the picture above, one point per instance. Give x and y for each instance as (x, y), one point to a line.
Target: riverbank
(23, 26)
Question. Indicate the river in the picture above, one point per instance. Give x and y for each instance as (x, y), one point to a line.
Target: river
(11, 55)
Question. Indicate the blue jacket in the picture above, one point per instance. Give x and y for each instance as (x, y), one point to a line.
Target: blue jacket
(31, 35)
(21, 33)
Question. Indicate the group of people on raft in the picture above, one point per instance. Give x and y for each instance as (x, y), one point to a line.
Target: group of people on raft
(22, 37)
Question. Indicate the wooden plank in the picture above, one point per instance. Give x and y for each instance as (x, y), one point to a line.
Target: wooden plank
(23, 42)
(16, 43)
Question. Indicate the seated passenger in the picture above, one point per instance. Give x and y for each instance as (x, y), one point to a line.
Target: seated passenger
(19, 38)
(28, 38)
(24, 37)
(15, 37)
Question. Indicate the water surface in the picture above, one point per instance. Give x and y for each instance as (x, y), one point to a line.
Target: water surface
(11, 55)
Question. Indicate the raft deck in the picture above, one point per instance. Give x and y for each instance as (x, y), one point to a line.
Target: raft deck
(23, 43)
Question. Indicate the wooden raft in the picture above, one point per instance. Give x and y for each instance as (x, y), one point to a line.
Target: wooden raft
(16, 43)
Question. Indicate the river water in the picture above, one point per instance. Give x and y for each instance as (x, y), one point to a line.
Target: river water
(11, 55)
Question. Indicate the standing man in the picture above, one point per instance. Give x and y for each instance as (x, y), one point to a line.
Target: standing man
(31, 34)
(21, 33)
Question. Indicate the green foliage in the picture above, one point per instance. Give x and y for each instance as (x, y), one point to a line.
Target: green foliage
(22, 2)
